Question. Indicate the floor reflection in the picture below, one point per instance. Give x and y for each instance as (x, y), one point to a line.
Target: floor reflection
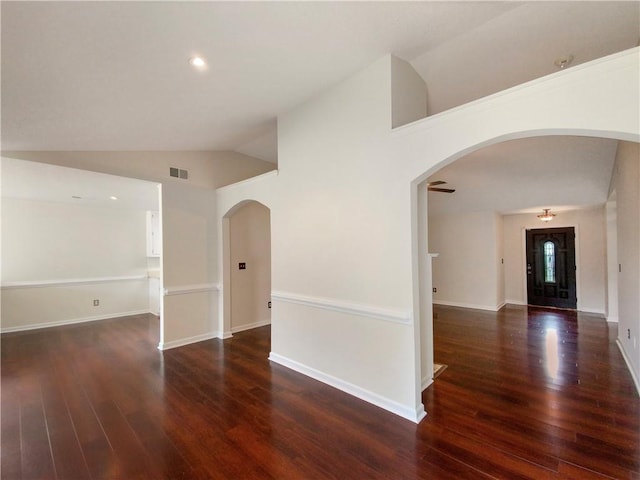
(552, 363)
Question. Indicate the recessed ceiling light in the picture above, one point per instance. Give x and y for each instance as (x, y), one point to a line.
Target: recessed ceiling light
(563, 61)
(112, 197)
(198, 63)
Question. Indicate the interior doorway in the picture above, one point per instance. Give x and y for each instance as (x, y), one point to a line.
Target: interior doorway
(247, 263)
(551, 267)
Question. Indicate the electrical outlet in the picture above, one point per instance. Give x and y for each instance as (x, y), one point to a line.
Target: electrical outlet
(628, 333)
(242, 266)
(435, 290)
(268, 304)
(96, 303)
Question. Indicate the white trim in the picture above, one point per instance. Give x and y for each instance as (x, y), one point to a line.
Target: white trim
(370, 311)
(426, 383)
(515, 302)
(70, 282)
(187, 341)
(491, 308)
(612, 319)
(627, 360)
(414, 414)
(592, 312)
(59, 323)
(249, 180)
(185, 289)
(423, 124)
(249, 326)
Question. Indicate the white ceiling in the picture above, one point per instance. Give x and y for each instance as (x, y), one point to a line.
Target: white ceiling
(522, 44)
(526, 175)
(115, 76)
(51, 183)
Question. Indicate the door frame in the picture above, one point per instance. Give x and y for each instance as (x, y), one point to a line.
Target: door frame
(523, 253)
(225, 307)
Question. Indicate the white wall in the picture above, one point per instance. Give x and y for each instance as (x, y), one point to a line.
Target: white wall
(333, 236)
(465, 273)
(499, 260)
(344, 224)
(250, 243)
(469, 270)
(344, 205)
(190, 302)
(189, 266)
(341, 304)
(611, 217)
(408, 93)
(206, 169)
(59, 257)
(627, 186)
(590, 255)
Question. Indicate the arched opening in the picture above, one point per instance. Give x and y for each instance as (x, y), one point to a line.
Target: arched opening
(246, 267)
(498, 231)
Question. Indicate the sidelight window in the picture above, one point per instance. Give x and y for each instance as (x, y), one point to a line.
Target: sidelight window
(549, 262)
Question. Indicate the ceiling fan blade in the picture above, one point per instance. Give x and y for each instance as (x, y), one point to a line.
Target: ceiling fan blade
(445, 190)
(436, 182)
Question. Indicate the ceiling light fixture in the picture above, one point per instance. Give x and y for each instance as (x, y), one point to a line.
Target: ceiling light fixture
(198, 63)
(563, 61)
(113, 197)
(545, 216)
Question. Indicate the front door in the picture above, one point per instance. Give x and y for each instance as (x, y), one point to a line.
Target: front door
(551, 267)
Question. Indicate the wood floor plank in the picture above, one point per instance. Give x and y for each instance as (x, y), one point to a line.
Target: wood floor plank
(527, 394)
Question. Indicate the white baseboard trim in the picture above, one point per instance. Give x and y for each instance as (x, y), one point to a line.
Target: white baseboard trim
(225, 335)
(340, 306)
(612, 319)
(595, 312)
(413, 414)
(627, 360)
(249, 326)
(70, 282)
(185, 289)
(187, 341)
(491, 308)
(72, 321)
(515, 302)
(426, 383)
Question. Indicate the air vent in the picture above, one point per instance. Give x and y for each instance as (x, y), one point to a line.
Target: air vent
(178, 173)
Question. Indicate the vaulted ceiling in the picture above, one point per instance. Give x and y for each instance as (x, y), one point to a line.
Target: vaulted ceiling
(115, 75)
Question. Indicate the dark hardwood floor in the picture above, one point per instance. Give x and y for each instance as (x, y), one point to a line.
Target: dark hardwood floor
(527, 393)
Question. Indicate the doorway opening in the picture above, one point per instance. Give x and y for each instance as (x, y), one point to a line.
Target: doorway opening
(247, 267)
(551, 267)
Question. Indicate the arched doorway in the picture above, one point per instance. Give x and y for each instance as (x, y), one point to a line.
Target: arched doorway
(427, 285)
(246, 267)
